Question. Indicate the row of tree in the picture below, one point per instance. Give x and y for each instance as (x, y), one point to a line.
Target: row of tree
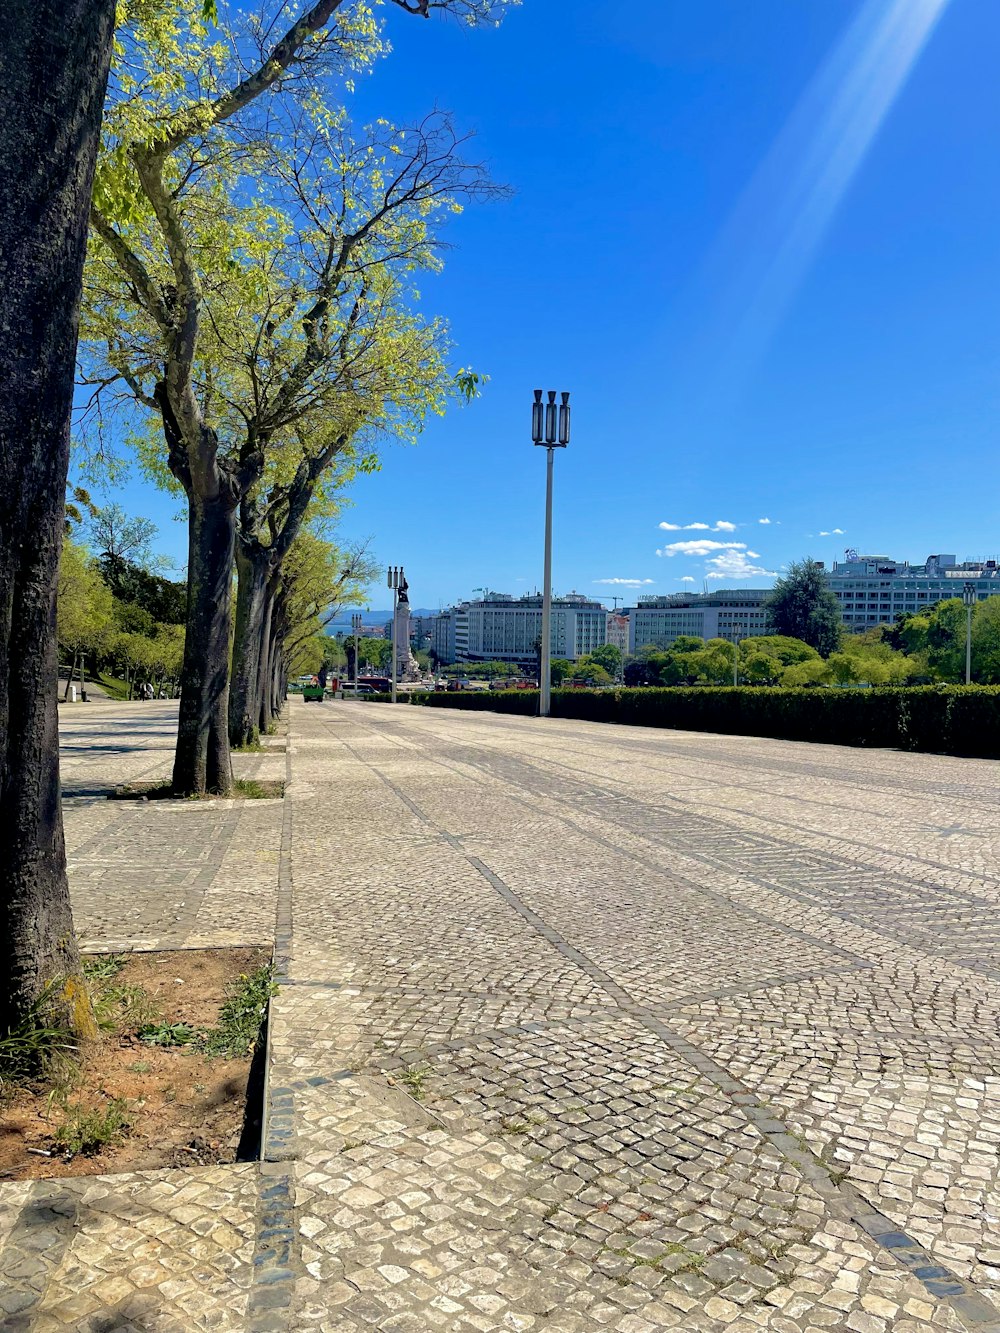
(248, 318)
(918, 649)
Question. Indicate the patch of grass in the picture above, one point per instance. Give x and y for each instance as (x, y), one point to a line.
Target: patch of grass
(129, 1007)
(251, 747)
(249, 789)
(167, 1034)
(103, 966)
(141, 1067)
(87, 1132)
(253, 790)
(32, 1048)
(113, 687)
(241, 1014)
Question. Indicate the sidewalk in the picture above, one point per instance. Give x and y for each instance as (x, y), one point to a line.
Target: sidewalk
(579, 1028)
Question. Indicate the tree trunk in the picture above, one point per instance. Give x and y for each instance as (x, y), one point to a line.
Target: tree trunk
(54, 58)
(201, 762)
(267, 708)
(249, 647)
(277, 671)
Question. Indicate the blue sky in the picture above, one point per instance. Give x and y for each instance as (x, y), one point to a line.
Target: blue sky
(760, 246)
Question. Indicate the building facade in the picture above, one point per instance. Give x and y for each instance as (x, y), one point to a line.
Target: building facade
(502, 628)
(875, 589)
(617, 631)
(738, 614)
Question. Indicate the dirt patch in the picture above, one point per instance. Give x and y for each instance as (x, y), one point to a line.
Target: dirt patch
(249, 789)
(159, 1105)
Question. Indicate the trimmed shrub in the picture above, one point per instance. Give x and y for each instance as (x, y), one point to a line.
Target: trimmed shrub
(942, 719)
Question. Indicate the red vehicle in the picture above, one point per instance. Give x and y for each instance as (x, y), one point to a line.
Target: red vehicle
(380, 683)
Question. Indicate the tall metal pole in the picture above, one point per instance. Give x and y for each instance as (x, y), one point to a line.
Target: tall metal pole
(736, 661)
(969, 598)
(968, 645)
(545, 683)
(395, 601)
(356, 626)
(394, 577)
(549, 427)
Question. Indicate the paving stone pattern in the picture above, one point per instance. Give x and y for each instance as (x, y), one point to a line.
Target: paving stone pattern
(580, 1028)
(164, 874)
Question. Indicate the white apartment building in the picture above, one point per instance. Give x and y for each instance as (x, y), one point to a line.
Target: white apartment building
(502, 628)
(660, 620)
(450, 633)
(875, 589)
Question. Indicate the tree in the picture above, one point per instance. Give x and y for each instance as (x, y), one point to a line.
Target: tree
(54, 61)
(559, 668)
(374, 653)
(190, 252)
(590, 672)
(84, 608)
(608, 656)
(802, 606)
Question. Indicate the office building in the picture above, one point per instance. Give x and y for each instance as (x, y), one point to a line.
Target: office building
(659, 620)
(875, 589)
(500, 628)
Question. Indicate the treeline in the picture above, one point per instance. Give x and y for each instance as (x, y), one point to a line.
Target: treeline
(260, 344)
(128, 620)
(922, 649)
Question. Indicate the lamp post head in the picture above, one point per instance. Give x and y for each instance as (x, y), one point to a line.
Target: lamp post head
(550, 420)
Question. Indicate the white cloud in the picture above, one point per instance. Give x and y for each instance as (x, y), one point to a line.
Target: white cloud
(626, 583)
(838, 532)
(735, 565)
(753, 555)
(720, 525)
(824, 534)
(699, 546)
(687, 578)
(833, 532)
(763, 520)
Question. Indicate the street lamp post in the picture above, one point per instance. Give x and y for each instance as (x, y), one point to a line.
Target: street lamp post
(736, 661)
(969, 598)
(356, 627)
(549, 428)
(394, 578)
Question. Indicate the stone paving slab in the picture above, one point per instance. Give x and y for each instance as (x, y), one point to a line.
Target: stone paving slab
(580, 1028)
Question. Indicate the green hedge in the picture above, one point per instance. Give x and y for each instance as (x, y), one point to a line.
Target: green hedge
(946, 719)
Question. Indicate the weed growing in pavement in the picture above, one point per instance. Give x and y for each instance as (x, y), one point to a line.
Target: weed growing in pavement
(241, 1015)
(415, 1079)
(253, 790)
(508, 1125)
(87, 1132)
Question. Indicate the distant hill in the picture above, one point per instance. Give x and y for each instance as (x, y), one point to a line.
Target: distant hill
(343, 622)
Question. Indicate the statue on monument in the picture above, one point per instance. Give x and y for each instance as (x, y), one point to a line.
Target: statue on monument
(407, 668)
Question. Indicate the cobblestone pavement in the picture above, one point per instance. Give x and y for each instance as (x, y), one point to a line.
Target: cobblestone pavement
(161, 875)
(603, 1028)
(582, 1028)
